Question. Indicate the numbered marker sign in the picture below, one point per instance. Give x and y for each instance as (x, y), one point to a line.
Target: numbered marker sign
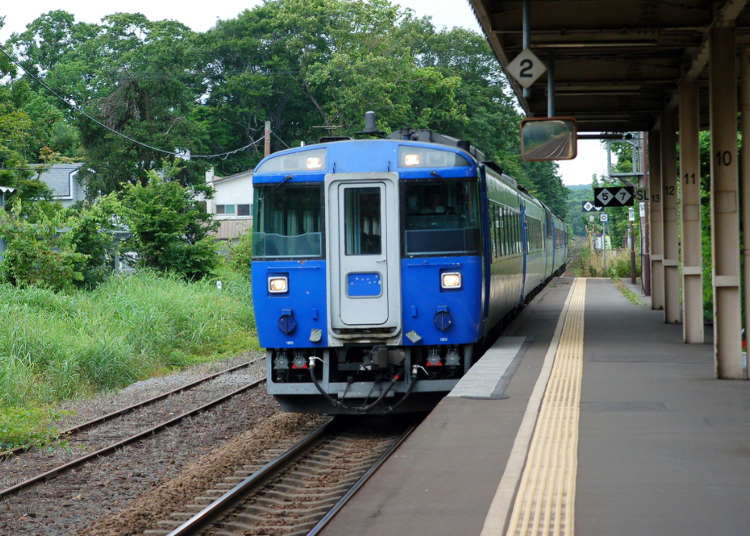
(590, 206)
(526, 68)
(616, 196)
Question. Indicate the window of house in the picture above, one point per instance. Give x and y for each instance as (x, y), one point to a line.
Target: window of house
(243, 210)
(225, 209)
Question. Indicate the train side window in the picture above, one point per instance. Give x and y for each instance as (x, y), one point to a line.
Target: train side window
(493, 230)
(491, 223)
(504, 237)
(362, 224)
(506, 231)
(499, 229)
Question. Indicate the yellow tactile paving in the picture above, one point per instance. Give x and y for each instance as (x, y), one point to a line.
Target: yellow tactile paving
(545, 501)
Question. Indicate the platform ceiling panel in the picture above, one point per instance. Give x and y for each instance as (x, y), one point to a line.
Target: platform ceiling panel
(617, 63)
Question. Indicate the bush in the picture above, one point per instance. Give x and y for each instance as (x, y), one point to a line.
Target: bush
(92, 233)
(38, 253)
(26, 426)
(241, 254)
(170, 227)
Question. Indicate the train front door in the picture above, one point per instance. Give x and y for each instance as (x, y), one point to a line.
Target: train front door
(363, 252)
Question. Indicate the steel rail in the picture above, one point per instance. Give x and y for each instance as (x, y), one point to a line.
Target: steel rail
(109, 416)
(140, 435)
(320, 525)
(261, 475)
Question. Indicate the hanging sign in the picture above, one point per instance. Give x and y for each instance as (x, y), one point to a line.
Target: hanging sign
(526, 68)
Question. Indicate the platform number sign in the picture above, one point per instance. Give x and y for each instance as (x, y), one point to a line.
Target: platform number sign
(614, 196)
(526, 68)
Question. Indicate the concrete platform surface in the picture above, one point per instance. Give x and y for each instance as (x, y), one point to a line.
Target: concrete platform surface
(663, 447)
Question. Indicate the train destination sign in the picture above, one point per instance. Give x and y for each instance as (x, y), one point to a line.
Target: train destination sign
(590, 206)
(614, 196)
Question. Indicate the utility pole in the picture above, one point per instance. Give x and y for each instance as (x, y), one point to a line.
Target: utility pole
(267, 138)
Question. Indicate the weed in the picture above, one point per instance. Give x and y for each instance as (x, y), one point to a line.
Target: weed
(56, 346)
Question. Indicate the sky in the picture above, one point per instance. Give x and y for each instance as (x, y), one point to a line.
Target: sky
(201, 16)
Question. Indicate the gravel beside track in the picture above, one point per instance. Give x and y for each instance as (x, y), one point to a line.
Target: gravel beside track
(70, 501)
(260, 443)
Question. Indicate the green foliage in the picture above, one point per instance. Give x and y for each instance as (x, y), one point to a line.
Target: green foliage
(61, 345)
(27, 426)
(169, 227)
(92, 232)
(241, 254)
(37, 253)
(301, 64)
(577, 195)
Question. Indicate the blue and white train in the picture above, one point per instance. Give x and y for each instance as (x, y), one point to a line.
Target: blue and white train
(381, 266)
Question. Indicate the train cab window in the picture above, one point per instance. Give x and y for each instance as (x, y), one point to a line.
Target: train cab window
(362, 224)
(287, 221)
(441, 217)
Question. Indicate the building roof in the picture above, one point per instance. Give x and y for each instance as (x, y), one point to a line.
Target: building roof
(57, 177)
(248, 174)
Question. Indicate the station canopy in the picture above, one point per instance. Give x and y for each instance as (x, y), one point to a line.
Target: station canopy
(617, 63)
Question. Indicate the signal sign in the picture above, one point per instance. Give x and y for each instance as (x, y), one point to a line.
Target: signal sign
(590, 206)
(614, 196)
(604, 217)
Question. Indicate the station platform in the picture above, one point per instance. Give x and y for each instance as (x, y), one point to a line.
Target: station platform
(596, 420)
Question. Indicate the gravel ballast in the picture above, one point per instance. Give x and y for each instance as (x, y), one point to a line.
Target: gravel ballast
(67, 503)
(146, 511)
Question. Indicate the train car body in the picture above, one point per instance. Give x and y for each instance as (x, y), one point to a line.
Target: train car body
(379, 266)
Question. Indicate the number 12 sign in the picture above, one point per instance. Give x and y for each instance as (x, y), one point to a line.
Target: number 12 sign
(526, 68)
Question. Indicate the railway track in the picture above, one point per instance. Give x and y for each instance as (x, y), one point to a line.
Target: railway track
(96, 447)
(299, 490)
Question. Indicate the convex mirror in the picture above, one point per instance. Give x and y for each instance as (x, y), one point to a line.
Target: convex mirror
(549, 138)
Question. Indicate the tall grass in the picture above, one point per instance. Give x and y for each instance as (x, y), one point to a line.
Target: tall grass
(592, 265)
(55, 346)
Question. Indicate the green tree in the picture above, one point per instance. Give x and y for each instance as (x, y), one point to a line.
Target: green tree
(170, 228)
(137, 77)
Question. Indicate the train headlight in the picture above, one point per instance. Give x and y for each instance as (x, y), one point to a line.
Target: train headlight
(314, 162)
(450, 280)
(278, 284)
(411, 159)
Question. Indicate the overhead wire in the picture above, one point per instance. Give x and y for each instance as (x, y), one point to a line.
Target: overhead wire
(70, 103)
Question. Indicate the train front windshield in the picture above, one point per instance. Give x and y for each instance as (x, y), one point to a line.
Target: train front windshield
(442, 217)
(288, 221)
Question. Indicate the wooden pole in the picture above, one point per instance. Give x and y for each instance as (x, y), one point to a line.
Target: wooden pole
(267, 137)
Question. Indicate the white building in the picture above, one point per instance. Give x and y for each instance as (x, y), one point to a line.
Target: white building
(232, 204)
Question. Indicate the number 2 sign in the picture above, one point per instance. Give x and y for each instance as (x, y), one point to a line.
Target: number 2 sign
(526, 68)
